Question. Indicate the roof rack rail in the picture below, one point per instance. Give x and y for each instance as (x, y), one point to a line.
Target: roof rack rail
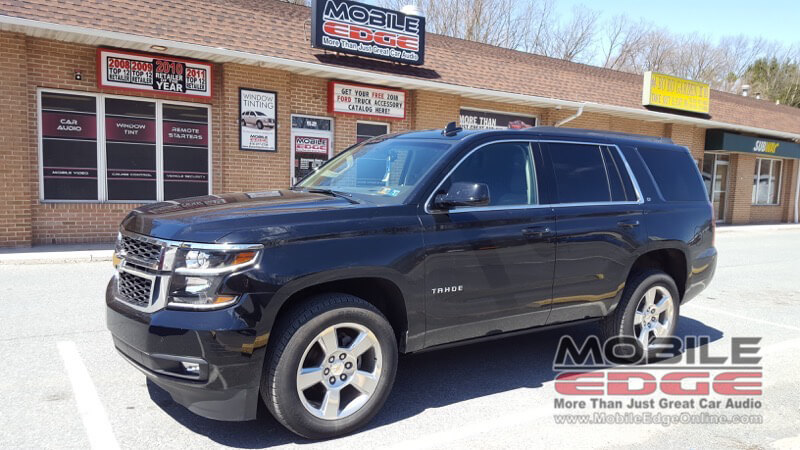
(641, 137)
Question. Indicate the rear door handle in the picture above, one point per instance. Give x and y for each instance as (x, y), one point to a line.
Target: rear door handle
(536, 232)
(628, 223)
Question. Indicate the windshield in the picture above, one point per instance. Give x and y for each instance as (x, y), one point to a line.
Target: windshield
(381, 168)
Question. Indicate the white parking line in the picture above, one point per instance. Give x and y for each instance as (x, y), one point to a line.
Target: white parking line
(93, 415)
(747, 318)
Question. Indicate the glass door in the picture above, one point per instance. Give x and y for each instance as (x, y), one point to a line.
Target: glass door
(715, 175)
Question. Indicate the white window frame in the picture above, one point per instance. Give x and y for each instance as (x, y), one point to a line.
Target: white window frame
(770, 187)
(370, 122)
(102, 191)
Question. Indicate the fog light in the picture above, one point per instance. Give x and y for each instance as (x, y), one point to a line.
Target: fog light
(191, 368)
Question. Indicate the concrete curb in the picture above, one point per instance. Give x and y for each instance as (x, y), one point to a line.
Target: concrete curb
(55, 257)
(750, 228)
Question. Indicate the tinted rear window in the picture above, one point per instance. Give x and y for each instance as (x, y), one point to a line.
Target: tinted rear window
(580, 173)
(675, 173)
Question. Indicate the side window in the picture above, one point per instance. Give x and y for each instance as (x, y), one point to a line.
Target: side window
(580, 173)
(675, 172)
(618, 178)
(507, 168)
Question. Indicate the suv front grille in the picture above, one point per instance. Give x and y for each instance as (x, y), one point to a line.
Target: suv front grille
(140, 251)
(134, 289)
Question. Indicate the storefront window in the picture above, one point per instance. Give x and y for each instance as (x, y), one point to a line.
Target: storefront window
(130, 149)
(122, 156)
(366, 130)
(69, 147)
(767, 181)
(185, 151)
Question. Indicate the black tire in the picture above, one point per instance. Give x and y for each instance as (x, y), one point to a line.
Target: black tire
(243, 123)
(288, 343)
(259, 125)
(621, 321)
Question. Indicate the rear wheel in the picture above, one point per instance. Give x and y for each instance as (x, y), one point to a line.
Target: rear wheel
(648, 310)
(331, 366)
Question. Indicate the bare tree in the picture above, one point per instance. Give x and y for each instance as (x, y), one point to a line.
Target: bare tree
(622, 41)
(618, 43)
(574, 38)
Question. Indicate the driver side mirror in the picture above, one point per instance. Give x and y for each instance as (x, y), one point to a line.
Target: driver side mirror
(463, 194)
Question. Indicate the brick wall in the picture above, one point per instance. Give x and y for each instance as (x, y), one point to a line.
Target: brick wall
(15, 183)
(52, 64)
(31, 63)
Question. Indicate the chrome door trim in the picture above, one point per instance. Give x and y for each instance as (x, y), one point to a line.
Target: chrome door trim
(639, 198)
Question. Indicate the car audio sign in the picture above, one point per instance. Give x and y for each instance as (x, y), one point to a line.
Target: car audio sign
(144, 72)
(357, 28)
(347, 98)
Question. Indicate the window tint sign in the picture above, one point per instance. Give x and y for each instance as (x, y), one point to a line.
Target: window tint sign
(347, 98)
(485, 120)
(360, 29)
(258, 121)
(140, 71)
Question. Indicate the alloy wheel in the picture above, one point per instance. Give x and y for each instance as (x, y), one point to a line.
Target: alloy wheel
(653, 316)
(339, 371)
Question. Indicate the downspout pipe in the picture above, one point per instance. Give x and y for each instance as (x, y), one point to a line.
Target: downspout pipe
(796, 189)
(570, 118)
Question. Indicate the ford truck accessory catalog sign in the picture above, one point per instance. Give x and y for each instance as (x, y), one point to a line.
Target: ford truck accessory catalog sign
(144, 72)
(350, 27)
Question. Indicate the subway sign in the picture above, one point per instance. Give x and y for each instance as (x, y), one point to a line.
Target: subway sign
(734, 142)
(365, 30)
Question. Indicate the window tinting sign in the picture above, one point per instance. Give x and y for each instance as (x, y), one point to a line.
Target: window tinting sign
(366, 30)
(472, 119)
(69, 147)
(143, 72)
(258, 121)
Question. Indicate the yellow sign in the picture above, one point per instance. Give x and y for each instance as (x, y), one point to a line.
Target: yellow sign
(675, 93)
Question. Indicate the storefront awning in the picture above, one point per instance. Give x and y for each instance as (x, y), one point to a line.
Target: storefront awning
(734, 142)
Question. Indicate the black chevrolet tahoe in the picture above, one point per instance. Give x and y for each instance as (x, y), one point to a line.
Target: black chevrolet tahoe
(303, 298)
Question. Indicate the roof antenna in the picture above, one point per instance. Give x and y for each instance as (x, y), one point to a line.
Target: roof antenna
(451, 129)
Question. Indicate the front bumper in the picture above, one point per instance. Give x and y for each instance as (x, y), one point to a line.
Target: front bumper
(224, 344)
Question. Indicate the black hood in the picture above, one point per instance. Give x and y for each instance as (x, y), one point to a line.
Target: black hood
(211, 218)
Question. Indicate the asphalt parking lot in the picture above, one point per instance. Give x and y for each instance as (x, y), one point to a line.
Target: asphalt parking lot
(64, 386)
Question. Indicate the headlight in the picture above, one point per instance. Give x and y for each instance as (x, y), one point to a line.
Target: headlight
(201, 261)
(199, 273)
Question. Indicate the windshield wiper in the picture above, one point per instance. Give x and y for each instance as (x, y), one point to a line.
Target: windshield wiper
(340, 194)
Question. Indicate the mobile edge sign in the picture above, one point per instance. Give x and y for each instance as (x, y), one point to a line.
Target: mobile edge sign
(153, 73)
(348, 98)
(365, 30)
(666, 91)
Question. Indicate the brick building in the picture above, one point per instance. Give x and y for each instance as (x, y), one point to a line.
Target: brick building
(80, 146)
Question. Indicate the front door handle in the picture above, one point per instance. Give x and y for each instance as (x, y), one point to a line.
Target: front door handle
(628, 223)
(536, 232)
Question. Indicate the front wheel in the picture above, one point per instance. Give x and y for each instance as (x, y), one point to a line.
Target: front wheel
(649, 309)
(331, 366)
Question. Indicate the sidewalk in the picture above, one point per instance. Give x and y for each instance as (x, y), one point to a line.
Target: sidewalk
(765, 227)
(56, 254)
